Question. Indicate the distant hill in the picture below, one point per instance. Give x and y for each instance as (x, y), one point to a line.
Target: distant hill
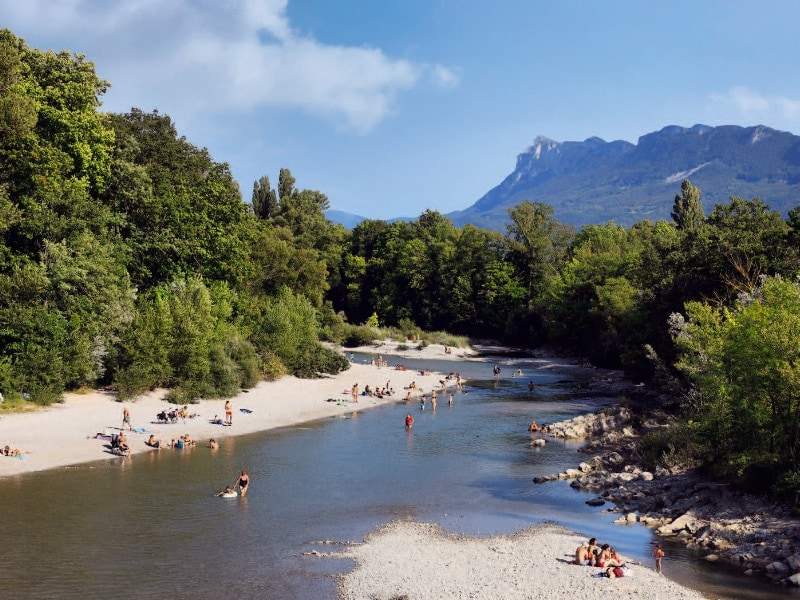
(595, 181)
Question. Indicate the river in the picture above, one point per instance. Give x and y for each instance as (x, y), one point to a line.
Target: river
(150, 527)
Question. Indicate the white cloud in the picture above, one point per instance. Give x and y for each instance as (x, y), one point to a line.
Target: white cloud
(751, 104)
(190, 57)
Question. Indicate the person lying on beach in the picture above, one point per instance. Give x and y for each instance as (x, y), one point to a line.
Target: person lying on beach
(153, 442)
(8, 451)
(216, 420)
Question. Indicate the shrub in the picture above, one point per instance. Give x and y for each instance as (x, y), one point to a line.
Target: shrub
(668, 446)
(358, 335)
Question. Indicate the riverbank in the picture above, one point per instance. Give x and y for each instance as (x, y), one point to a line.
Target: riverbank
(63, 434)
(746, 533)
(529, 564)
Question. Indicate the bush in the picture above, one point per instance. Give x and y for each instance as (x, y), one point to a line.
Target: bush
(358, 335)
(314, 359)
(272, 367)
(668, 446)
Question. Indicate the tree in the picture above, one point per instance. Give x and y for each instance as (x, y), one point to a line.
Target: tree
(745, 362)
(265, 200)
(687, 211)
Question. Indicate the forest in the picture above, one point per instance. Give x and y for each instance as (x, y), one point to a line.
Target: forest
(131, 259)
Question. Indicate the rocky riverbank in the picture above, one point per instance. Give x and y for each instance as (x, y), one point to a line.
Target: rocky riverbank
(755, 536)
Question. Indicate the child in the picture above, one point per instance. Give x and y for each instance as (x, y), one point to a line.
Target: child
(658, 553)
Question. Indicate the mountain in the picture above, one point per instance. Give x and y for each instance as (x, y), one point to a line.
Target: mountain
(595, 181)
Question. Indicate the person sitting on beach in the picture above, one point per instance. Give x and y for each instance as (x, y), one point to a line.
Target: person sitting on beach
(367, 390)
(187, 440)
(213, 444)
(581, 555)
(122, 443)
(594, 550)
(177, 444)
(603, 556)
(153, 442)
(228, 491)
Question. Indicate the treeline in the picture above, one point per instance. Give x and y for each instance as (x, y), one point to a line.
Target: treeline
(128, 258)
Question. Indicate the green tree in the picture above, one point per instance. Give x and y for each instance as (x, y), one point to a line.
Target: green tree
(687, 211)
(265, 200)
(745, 362)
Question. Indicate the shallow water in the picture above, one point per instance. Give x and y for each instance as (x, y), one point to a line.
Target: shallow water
(149, 526)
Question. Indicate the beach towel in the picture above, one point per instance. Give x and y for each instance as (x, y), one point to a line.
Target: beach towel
(246, 411)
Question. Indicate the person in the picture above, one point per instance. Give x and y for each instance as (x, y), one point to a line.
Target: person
(433, 399)
(178, 444)
(228, 413)
(153, 442)
(354, 391)
(126, 418)
(422, 402)
(530, 386)
(496, 370)
(8, 451)
(122, 443)
(187, 440)
(594, 549)
(216, 420)
(213, 444)
(243, 482)
(533, 427)
(581, 555)
(450, 400)
(228, 491)
(604, 556)
(408, 397)
(658, 554)
(409, 421)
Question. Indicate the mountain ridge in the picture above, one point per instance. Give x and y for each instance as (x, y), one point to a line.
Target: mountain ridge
(595, 181)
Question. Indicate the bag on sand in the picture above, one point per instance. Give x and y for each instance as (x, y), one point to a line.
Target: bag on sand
(618, 572)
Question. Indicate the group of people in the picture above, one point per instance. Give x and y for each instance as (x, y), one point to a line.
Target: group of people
(603, 556)
(534, 428)
(242, 482)
(184, 441)
(607, 559)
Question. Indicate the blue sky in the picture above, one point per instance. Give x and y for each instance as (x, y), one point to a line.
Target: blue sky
(392, 107)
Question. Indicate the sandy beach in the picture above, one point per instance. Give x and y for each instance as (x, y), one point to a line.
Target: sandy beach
(413, 561)
(62, 434)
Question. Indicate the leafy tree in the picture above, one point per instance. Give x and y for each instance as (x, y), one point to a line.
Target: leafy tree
(687, 211)
(745, 362)
(265, 200)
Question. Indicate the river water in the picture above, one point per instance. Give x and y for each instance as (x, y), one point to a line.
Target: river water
(149, 526)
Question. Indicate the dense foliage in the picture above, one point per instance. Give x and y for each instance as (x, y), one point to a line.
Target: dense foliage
(128, 258)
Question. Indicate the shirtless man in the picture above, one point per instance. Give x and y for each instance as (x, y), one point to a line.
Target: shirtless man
(126, 419)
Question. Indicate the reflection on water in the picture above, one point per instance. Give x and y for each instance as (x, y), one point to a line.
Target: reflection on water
(149, 526)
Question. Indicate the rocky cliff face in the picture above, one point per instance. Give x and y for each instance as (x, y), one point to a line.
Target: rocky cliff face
(595, 181)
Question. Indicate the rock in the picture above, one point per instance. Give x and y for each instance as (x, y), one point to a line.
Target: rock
(538, 442)
(596, 502)
(794, 579)
(711, 558)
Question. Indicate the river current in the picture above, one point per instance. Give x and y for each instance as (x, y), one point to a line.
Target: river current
(150, 526)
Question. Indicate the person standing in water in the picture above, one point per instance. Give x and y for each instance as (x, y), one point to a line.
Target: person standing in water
(409, 421)
(243, 482)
